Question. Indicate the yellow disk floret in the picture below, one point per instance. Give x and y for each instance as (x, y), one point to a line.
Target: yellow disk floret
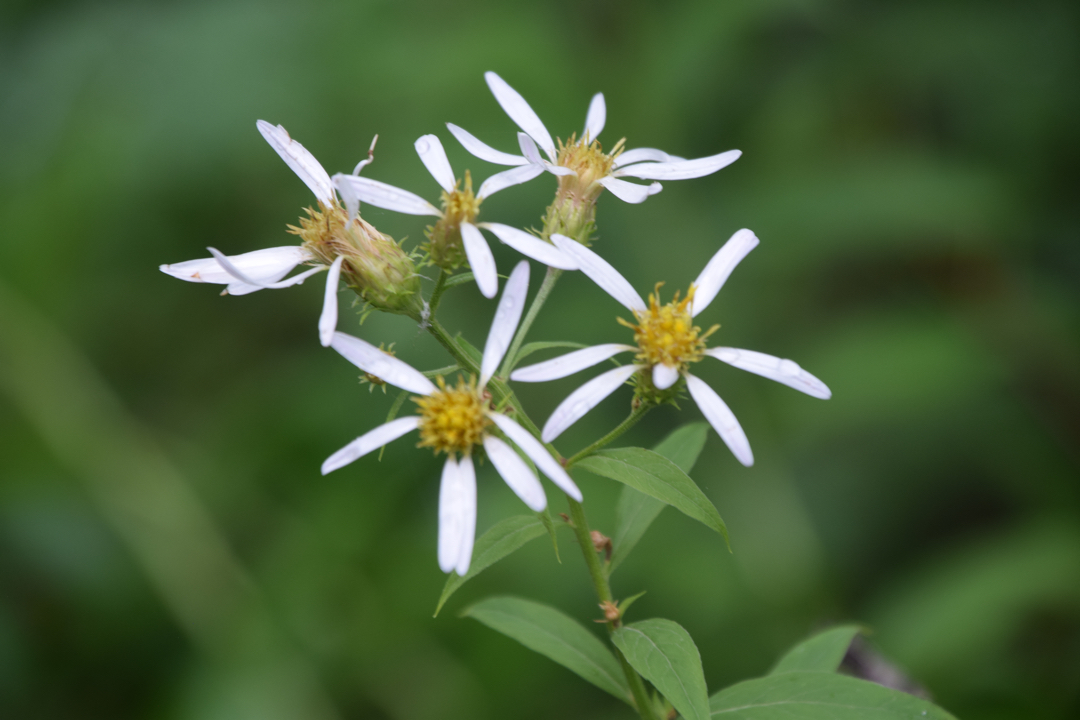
(587, 159)
(444, 237)
(666, 333)
(453, 419)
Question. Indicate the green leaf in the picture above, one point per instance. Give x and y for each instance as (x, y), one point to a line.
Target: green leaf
(819, 696)
(502, 539)
(455, 280)
(636, 511)
(665, 655)
(468, 348)
(530, 348)
(551, 527)
(444, 371)
(658, 477)
(557, 636)
(821, 653)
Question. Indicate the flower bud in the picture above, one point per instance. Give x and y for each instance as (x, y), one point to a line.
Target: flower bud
(444, 237)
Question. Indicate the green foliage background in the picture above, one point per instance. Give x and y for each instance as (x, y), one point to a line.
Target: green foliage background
(168, 548)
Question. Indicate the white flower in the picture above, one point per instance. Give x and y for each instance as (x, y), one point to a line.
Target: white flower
(455, 419)
(457, 228)
(582, 157)
(667, 342)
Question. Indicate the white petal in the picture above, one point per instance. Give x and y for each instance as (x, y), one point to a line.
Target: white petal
(457, 515)
(568, 364)
(520, 112)
(716, 272)
(664, 376)
(584, 399)
(367, 442)
(242, 288)
(433, 156)
(538, 454)
(681, 169)
(482, 150)
(529, 149)
(595, 119)
(507, 316)
(644, 155)
(516, 473)
(531, 246)
(507, 178)
(600, 272)
(266, 266)
(481, 260)
(721, 418)
(349, 198)
(628, 191)
(328, 319)
(783, 371)
(375, 362)
(299, 159)
(386, 196)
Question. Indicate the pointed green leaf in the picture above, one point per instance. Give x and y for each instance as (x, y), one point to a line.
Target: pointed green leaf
(665, 655)
(551, 527)
(468, 348)
(455, 280)
(658, 477)
(555, 635)
(636, 511)
(529, 348)
(503, 538)
(819, 696)
(821, 653)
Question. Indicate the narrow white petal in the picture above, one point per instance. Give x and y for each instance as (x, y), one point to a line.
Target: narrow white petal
(600, 272)
(516, 473)
(482, 150)
(457, 516)
(568, 364)
(233, 270)
(584, 399)
(266, 266)
(242, 288)
(349, 197)
(467, 474)
(519, 111)
(531, 246)
(507, 316)
(369, 441)
(375, 362)
(386, 196)
(434, 158)
(628, 191)
(328, 319)
(783, 371)
(538, 454)
(595, 119)
(721, 418)
(507, 178)
(664, 376)
(716, 272)
(681, 169)
(481, 260)
(644, 155)
(299, 159)
(529, 149)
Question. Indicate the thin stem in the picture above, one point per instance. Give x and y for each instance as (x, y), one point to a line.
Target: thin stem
(630, 421)
(603, 593)
(538, 302)
(436, 294)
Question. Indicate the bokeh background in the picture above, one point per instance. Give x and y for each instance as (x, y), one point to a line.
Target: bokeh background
(168, 548)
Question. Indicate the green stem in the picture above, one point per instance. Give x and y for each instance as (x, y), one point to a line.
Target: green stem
(603, 593)
(538, 302)
(630, 421)
(436, 294)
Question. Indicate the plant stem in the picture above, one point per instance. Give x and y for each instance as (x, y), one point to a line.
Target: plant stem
(630, 421)
(538, 302)
(603, 593)
(436, 294)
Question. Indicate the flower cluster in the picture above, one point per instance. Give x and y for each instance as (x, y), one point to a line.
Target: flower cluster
(474, 418)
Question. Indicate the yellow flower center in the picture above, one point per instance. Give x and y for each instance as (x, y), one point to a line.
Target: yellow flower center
(666, 333)
(453, 419)
(589, 161)
(460, 205)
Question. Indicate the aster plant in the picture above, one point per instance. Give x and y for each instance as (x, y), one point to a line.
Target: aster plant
(469, 412)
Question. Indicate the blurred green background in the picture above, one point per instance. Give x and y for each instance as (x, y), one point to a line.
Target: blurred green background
(168, 548)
